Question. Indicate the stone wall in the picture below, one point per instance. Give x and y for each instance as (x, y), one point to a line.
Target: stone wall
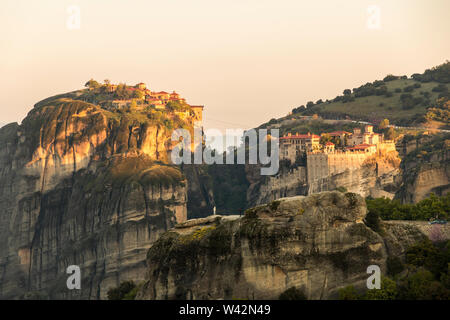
(322, 165)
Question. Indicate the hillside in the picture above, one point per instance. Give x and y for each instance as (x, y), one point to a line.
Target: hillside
(405, 101)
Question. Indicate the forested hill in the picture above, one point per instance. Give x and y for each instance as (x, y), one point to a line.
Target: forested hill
(423, 99)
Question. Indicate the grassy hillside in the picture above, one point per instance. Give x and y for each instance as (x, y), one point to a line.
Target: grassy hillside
(419, 100)
(377, 107)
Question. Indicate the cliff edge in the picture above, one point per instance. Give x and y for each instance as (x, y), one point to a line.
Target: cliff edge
(317, 243)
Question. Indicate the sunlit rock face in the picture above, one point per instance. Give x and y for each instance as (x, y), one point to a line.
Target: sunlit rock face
(82, 186)
(425, 167)
(317, 243)
(374, 175)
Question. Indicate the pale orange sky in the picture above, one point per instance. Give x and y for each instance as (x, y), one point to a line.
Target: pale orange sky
(246, 61)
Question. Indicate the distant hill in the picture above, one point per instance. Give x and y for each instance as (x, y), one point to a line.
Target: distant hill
(419, 100)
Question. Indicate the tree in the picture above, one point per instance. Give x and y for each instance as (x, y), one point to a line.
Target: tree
(138, 94)
(394, 266)
(325, 138)
(388, 291)
(373, 220)
(347, 92)
(421, 285)
(123, 292)
(122, 92)
(292, 294)
(92, 84)
(348, 293)
(390, 134)
(383, 124)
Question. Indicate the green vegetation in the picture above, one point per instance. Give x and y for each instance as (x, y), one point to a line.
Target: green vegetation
(440, 111)
(373, 221)
(120, 170)
(405, 101)
(424, 276)
(274, 205)
(386, 209)
(394, 266)
(197, 235)
(436, 144)
(348, 293)
(292, 294)
(127, 290)
(229, 185)
(303, 126)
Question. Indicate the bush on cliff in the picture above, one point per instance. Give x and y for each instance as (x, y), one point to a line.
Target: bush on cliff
(388, 291)
(127, 290)
(429, 208)
(373, 221)
(424, 276)
(292, 294)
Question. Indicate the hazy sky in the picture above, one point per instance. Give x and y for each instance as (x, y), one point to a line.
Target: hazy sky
(246, 61)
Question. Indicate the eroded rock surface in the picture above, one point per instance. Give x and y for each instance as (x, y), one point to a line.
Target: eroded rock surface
(317, 243)
(80, 185)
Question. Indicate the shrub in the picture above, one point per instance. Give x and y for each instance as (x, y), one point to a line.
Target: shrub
(124, 291)
(373, 220)
(274, 205)
(390, 77)
(421, 285)
(388, 291)
(292, 294)
(440, 88)
(394, 266)
(348, 293)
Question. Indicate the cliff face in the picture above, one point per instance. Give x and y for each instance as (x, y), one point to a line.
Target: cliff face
(82, 186)
(378, 176)
(425, 168)
(290, 181)
(317, 243)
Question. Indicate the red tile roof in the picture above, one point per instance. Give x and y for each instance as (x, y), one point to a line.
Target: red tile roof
(300, 136)
(362, 146)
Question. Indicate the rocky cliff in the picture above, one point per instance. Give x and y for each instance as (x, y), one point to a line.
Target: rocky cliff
(81, 185)
(317, 243)
(425, 167)
(377, 177)
(290, 181)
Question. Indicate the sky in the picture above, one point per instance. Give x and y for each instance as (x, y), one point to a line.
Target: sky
(246, 61)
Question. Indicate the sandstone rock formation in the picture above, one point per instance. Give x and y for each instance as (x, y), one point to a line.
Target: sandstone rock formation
(317, 243)
(80, 185)
(422, 178)
(377, 177)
